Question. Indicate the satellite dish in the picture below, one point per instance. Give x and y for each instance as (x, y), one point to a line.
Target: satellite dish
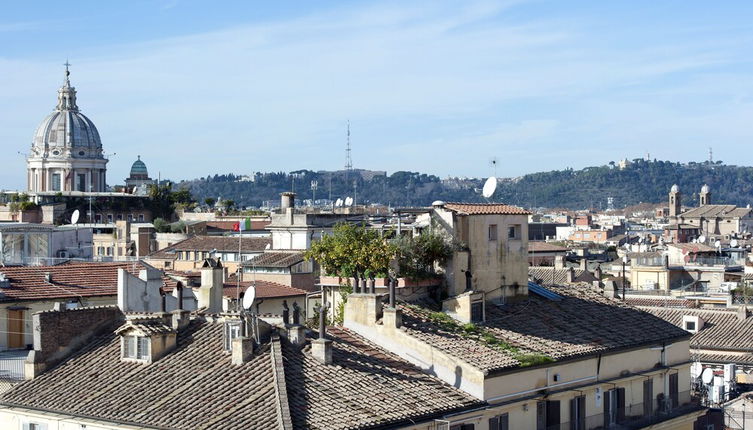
(348, 201)
(248, 297)
(269, 245)
(490, 186)
(696, 369)
(717, 244)
(702, 239)
(707, 376)
(733, 243)
(75, 216)
(339, 203)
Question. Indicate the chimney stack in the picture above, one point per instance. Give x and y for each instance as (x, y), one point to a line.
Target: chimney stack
(559, 262)
(570, 275)
(210, 292)
(287, 201)
(584, 263)
(321, 348)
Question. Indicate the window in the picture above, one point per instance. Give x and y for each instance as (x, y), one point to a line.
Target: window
(493, 232)
(578, 413)
(648, 397)
(56, 182)
(109, 218)
(463, 427)
(130, 218)
(690, 325)
(477, 312)
(513, 232)
(500, 422)
(232, 331)
(120, 217)
(614, 406)
(34, 426)
(81, 182)
(136, 347)
(547, 415)
(141, 217)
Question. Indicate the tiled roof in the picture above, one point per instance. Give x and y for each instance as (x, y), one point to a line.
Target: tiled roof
(485, 209)
(196, 386)
(572, 327)
(69, 281)
(722, 329)
(716, 211)
(366, 387)
(692, 247)
(275, 259)
(722, 358)
(146, 325)
(548, 275)
(536, 246)
(659, 302)
(214, 243)
(188, 388)
(264, 289)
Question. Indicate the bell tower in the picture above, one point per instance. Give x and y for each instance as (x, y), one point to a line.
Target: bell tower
(675, 201)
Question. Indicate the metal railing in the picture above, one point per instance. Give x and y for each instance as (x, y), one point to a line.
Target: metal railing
(636, 415)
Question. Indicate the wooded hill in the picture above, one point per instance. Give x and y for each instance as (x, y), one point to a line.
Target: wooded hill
(641, 181)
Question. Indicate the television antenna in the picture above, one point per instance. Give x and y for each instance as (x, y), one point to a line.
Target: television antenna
(75, 216)
(490, 186)
(493, 163)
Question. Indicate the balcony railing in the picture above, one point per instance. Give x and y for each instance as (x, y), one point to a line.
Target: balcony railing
(636, 415)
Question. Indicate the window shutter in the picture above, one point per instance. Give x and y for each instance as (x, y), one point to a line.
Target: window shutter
(582, 412)
(648, 397)
(504, 422)
(573, 413)
(540, 415)
(494, 423)
(673, 390)
(620, 405)
(607, 408)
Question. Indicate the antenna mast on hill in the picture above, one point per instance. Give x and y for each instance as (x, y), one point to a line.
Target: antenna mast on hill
(711, 156)
(348, 160)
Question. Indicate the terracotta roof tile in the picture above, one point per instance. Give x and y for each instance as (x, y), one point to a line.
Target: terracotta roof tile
(275, 259)
(485, 209)
(537, 246)
(69, 281)
(722, 329)
(572, 327)
(264, 289)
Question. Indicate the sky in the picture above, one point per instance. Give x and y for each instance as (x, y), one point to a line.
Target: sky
(439, 87)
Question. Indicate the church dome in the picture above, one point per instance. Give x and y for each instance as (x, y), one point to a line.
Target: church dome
(138, 170)
(66, 132)
(675, 188)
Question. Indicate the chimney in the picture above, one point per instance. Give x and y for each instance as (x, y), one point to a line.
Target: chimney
(48, 277)
(321, 348)
(287, 200)
(597, 273)
(584, 263)
(570, 275)
(243, 350)
(559, 262)
(210, 292)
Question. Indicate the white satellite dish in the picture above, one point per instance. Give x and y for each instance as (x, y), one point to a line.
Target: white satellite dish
(707, 376)
(348, 201)
(717, 244)
(75, 216)
(696, 369)
(490, 186)
(733, 243)
(269, 246)
(248, 297)
(702, 239)
(338, 203)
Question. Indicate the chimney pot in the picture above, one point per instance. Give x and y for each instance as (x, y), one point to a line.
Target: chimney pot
(321, 350)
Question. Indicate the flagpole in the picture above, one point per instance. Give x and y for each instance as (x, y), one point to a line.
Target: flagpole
(238, 274)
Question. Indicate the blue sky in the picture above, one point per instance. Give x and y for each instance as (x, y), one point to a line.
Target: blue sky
(200, 87)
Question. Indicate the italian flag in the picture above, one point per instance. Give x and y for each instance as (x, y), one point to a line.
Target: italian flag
(242, 225)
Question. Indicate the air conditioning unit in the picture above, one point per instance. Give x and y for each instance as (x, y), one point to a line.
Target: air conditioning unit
(63, 254)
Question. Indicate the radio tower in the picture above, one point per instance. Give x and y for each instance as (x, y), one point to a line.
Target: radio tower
(711, 156)
(348, 161)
